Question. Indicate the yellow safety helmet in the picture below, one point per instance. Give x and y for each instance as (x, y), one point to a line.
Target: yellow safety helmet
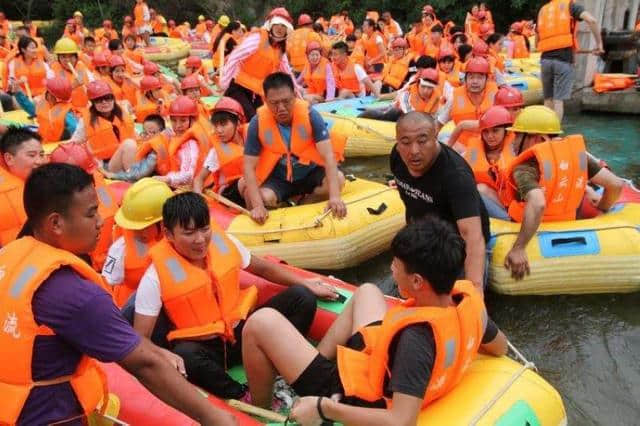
(65, 46)
(78, 13)
(142, 204)
(537, 119)
(224, 21)
(201, 18)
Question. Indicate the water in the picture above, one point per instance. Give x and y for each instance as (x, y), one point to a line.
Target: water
(587, 347)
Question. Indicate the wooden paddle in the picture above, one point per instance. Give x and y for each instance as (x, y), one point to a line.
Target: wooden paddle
(227, 202)
(257, 411)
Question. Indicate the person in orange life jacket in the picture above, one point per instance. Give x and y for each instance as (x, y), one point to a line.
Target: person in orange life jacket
(210, 340)
(77, 318)
(142, 20)
(124, 88)
(132, 53)
(531, 197)
(138, 219)
(27, 68)
(170, 85)
(297, 43)
(127, 26)
(79, 20)
(395, 73)
(22, 152)
(67, 52)
(100, 62)
(444, 184)
(273, 174)
(193, 87)
(53, 112)
(225, 42)
(193, 66)
(450, 69)
(106, 33)
(375, 51)
(152, 99)
(259, 54)
(351, 79)
(511, 99)
(481, 49)
(88, 50)
(519, 46)
(495, 42)
(391, 27)
(468, 102)
(458, 39)
(106, 128)
(158, 24)
(224, 162)
(414, 37)
(395, 367)
(317, 77)
(556, 33)
(433, 41)
(72, 31)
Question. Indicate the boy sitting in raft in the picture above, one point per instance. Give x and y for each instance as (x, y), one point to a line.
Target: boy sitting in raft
(346, 372)
(288, 152)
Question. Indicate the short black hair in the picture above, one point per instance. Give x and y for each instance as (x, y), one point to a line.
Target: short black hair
(89, 38)
(463, 51)
(456, 29)
(186, 209)
(437, 28)
(115, 44)
(16, 136)
(432, 248)
(317, 27)
(277, 80)
(350, 37)
(156, 118)
(342, 46)
(370, 22)
(493, 38)
(221, 117)
(50, 188)
(425, 61)
(463, 38)
(24, 42)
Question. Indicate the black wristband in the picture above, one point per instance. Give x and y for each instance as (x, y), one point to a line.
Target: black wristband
(320, 413)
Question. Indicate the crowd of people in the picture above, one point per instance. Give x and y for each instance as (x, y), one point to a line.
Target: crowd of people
(175, 272)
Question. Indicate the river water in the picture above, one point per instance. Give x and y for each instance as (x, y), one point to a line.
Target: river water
(587, 347)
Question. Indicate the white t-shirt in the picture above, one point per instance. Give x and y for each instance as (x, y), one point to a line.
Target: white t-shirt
(148, 296)
(361, 75)
(212, 163)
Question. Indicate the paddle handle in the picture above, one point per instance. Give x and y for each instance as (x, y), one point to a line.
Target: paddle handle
(227, 202)
(257, 411)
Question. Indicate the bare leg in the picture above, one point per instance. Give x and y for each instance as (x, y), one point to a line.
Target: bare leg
(124, 156)
(345, 94)
(488, 192)
(321, 192)
(558, 107)
(269, 198)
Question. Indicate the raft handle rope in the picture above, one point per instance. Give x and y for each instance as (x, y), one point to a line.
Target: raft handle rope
(526, 365)
(594, 229)
(317, 221)
(361, 126)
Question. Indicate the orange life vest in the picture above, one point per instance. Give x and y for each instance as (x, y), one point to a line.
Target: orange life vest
(79, 98)
(127, 30)
(610, 82)
(454, 76)
(36, 74)
(371, 48)
(303, 145)
(392, 29)
(395, 71)
(231, 162)
(136, 262)
(145, 107)
(201, 302)
(218, 57)
(556, 27)
(199, 134)
(563, 177)
(346, 78)
(457, 331)
(29, 263)
(464, 109)
(297, 46)
(107, 208)
(51, 120)
(264, 61)
(416, 43)
(201, 28)
(12, 214)
(77, 36)
(158, 24)
(357, 55)
(160, 145)
(138, 15)
(316, 80)
(492, 175)
(429, 106)
(101, 137)
(519, 46)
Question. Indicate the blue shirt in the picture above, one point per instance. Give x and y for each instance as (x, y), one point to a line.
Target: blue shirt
(253, 147)
(70, 120)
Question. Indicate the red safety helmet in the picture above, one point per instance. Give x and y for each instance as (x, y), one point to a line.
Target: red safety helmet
(430, 74)
(149, 82)
(183, 106)
(230, 105)
(100, 60)
(60, 88)
(399, 42)
(429, 9)
(445, 52)
(304, 19)
(193, 62)
(281, 12)
(480, 48)
(107, 23)
(478, 64)
(98, 88)
(313, 45)
(509, 97)
(494, 117)
(150, 68)
(116, 61)
(190, 82)
(486, 29)
(76, 154)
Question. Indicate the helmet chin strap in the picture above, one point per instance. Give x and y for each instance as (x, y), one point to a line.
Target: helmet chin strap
(275, 38)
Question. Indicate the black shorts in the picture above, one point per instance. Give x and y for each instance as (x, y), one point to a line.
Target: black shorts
(231, 192)
(377, 67)
(321, 377)
(285, 189)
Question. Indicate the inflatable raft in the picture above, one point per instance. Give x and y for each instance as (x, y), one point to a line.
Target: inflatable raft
(200, 48)
(307, 237)
(598, 255)
(494, 391)
(165, 49)
(207, 65)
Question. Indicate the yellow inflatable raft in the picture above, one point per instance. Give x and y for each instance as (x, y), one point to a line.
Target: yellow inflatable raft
(529, 85)
(207, 65)
(365, 137)
(599, 255)
(166, 49)
(307, 237)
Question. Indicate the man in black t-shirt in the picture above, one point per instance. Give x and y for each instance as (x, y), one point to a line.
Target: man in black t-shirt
(427, 257)
(433, 179)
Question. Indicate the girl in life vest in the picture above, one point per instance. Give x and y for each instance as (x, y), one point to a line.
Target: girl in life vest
(100, 63)
(224, 163)
(151, 99)
(132, 54)
(169, 85)
(225, 42)
(193, 87)
(193, 67)
(424, 95)
(317, 76)
(124, 89)
(71, 31)
(396, 71)
(449, 66)
(106, 128)
(519, 44)
(76, 72)
(489, 156)
(28, 69)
